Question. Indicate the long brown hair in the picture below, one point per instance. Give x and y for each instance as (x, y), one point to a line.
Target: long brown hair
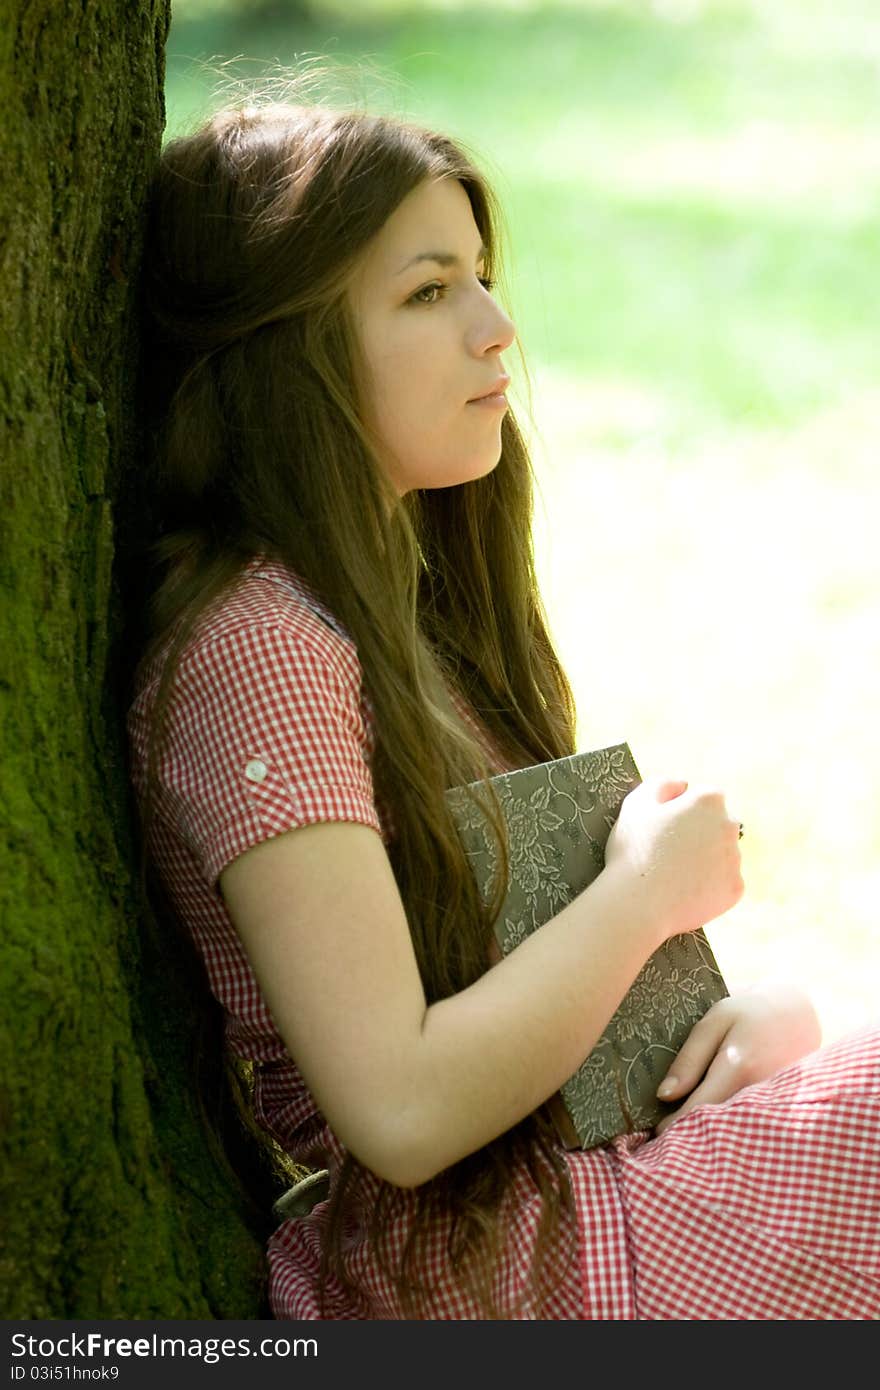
(257, 221)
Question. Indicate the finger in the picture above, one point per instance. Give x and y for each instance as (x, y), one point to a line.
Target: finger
(719, 1082)
(669, 789)
(694, 1058)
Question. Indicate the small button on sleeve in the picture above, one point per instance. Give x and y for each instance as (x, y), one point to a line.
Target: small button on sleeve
(266, 734)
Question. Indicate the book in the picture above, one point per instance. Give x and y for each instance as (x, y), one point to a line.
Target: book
(559, 815)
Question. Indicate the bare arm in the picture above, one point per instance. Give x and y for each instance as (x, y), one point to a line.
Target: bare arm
(411, 1089)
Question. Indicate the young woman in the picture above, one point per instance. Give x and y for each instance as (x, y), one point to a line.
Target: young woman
(346, 623)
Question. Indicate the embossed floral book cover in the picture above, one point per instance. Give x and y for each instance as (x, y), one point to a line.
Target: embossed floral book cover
(559, 815)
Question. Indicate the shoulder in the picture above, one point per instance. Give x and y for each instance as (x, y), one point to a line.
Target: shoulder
(267, 598)
(266, 727)
(268, 614)
(266, 653)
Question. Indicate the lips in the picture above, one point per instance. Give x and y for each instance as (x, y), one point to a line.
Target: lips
(496, 389)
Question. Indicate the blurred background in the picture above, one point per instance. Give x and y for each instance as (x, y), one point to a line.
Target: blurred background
(692, 194)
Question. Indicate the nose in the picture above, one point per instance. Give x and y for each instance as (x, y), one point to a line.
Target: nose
(492, 330)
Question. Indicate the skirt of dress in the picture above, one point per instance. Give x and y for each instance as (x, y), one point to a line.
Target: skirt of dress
(764, 1207)
(767, 1206)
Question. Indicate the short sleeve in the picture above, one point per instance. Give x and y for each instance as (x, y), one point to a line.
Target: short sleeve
(265, 734)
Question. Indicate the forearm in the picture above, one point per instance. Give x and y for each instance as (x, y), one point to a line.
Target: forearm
(491, 1054)
(408, 1088)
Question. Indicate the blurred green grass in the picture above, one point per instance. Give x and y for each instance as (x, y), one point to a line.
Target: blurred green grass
(692, 194)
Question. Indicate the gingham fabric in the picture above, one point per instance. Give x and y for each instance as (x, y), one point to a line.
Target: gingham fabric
(767, 1206)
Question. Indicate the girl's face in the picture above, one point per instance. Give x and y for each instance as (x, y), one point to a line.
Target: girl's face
(432, 336)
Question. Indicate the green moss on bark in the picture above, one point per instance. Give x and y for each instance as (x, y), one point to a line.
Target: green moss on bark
(112, 1206)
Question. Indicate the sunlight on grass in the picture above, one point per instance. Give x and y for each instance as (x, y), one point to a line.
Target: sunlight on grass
(720, 611)
(762, 165)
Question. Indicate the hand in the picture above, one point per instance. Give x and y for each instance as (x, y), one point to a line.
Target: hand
(680, 851)
(740, 1040)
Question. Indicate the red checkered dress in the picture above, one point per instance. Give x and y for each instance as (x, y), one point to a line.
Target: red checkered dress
(767, 1206)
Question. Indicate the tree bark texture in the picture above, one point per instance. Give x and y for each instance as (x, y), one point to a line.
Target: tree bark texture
(111, 1203)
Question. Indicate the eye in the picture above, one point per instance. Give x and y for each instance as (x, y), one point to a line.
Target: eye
(427, 289)
(439, 289)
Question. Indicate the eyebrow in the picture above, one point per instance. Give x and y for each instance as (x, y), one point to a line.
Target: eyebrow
(441, 258)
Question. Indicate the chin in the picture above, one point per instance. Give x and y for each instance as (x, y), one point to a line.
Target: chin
(473, 475)
(487, 463)
(452, 476)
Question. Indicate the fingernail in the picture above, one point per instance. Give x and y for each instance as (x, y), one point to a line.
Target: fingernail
(667, 1087)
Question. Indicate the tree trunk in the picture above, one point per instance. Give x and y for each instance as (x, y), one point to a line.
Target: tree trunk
(111, 1204)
